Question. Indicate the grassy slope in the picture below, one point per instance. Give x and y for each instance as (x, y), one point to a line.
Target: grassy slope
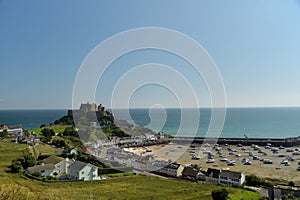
(135, 187)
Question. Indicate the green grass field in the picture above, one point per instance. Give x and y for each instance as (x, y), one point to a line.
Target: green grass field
(57, 128)
(15, 186)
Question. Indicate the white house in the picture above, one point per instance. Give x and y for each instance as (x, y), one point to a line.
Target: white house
(83, 171)
(224, 177)
(52, 166)
(172, 169)
(231, 178)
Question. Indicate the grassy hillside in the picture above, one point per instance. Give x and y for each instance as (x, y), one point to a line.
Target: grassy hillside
(136, 187)
(57, 128)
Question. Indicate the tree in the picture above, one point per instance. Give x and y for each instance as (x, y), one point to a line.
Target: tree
(28, 161)
(3, 134)
(219, 194)
(71, 131)
(59, 143)
(16, 167)
(48, 133)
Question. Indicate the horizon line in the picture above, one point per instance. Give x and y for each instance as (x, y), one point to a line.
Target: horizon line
(292, 106)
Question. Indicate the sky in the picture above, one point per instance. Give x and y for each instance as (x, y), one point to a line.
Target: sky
(254, 44)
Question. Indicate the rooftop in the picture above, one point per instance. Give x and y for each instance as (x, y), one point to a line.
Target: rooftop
(52, 160)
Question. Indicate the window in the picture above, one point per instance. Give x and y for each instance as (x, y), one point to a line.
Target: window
(82, 172)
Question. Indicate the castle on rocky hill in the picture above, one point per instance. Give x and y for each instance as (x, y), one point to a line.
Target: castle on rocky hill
(90, 110)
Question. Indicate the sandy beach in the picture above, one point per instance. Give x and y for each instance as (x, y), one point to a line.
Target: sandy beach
(276, 171)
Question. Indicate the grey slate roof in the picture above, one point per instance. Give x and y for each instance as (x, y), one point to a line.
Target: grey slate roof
(189, 171)
(173, 166)
(77, 165)
(213, 172)
(231, 174)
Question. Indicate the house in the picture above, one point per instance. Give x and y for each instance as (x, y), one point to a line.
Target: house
(212, 176)
(224, 177)
(51, 166)
(172, 169)
(83, 171)
(14, 130)
(61, 165)
(44, 170)
(230, 177)
(191, 173)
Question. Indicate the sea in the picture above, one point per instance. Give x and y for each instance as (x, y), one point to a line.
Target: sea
(239, 122)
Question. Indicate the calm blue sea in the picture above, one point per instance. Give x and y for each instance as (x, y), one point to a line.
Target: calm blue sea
(254, 122)
(30, 118)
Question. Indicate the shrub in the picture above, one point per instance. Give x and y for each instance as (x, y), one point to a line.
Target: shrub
(219, 194)
(253, 180)
(36, 174)
(16, 167)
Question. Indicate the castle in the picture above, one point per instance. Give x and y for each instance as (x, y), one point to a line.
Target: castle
(91, 110)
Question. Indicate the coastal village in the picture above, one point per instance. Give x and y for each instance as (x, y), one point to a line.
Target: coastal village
(158, 155)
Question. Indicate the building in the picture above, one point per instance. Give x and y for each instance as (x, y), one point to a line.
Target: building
(44, 170)
(216, 176)
(51, 166)
(172, 169)
(83, 171)
(212, 176)
(92, 111)
(191, 173)
(61, 165)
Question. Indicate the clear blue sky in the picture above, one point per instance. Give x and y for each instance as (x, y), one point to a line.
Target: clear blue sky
(255, 44)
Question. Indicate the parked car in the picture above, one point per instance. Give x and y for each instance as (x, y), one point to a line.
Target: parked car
(210, 161)
(267, 161)
(256, 158)
(284, 162)
(290, 150)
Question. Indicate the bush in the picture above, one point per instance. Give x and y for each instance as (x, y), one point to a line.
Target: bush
(253, 180)
(3, 134)
(36, 174)
(16, 167)
(28, 161)
(47, 133)
(59, 143)
(70, 131)
(220, 194)
(19, 165)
